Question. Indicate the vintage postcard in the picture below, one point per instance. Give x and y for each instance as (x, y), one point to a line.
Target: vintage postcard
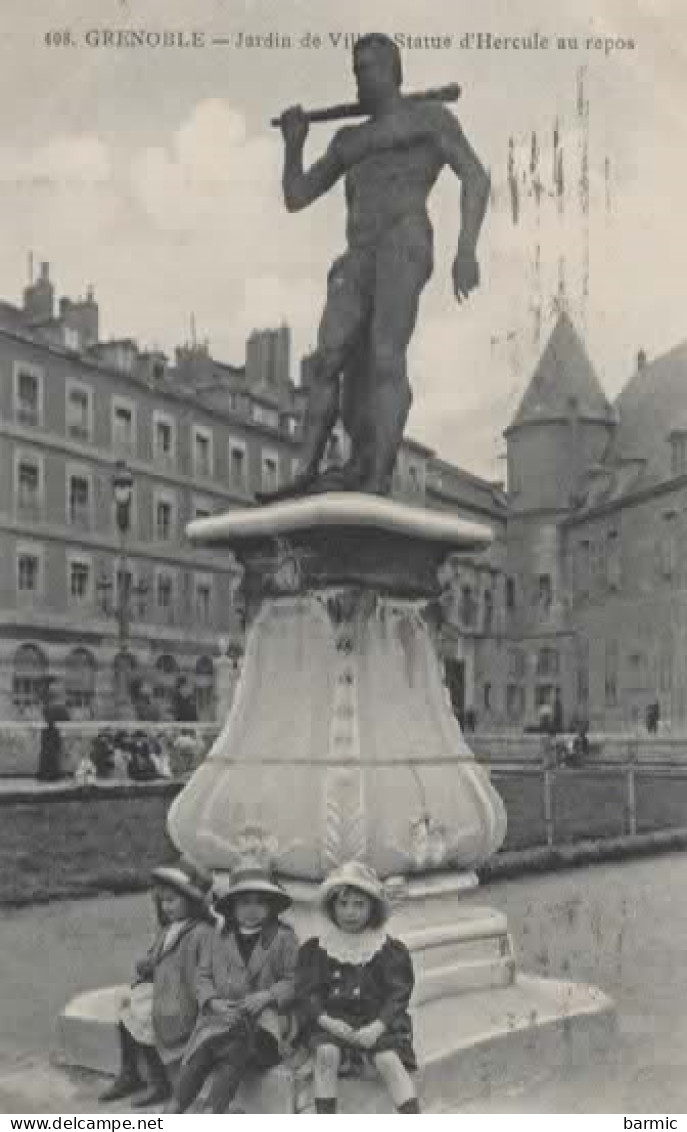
(343, 529)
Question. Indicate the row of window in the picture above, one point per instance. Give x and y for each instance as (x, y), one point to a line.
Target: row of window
(598, 562)
(80, 497)
(545, 695)
(28, 408)
(541, 594)
(640, 675)
(163, 599)
(30, 667)
(542, 599)
(546, 661)
(463, 605)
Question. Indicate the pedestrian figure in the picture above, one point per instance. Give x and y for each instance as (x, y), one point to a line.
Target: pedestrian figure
(50, 758)
(184, 703)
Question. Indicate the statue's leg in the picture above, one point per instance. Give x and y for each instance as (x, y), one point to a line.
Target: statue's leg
(349, 297)
(356, 412)
(404, 264)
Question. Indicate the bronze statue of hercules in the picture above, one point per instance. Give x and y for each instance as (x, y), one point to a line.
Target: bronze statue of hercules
(390, 162)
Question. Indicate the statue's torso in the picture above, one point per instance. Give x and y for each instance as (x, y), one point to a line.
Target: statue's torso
(393, 179)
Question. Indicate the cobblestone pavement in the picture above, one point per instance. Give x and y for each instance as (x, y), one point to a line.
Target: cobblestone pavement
(622, 927)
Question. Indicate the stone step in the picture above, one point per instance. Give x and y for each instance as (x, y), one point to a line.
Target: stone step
(467, 1044)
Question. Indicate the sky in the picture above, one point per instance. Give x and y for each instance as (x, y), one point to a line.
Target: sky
(154, 175)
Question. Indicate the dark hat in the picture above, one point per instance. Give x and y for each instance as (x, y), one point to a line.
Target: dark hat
(185, 878)
(251, 878)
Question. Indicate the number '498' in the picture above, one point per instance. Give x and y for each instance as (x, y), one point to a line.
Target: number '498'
(58, 38)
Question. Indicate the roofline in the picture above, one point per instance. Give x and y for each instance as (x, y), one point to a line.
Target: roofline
(186, 397)
(490, 485)
(640, 496)
(639, 374)
(559, 513)
(500, 516)
(586, 418)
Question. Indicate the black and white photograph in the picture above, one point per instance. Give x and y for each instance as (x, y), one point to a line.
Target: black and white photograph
(343, 558)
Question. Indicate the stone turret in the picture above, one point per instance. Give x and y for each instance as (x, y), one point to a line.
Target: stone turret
(563, 426)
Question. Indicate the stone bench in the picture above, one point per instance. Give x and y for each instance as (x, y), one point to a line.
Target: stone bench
(467, 1045)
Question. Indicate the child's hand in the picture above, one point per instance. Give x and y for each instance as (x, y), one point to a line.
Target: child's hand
(337, 1028)
(368, 1036)
(224, 1008)
(254, 1004)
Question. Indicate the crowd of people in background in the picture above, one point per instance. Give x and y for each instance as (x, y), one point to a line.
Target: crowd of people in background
(115, 753)
(119, 755)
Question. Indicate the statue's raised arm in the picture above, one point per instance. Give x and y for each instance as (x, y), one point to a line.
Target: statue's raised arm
(301, 188)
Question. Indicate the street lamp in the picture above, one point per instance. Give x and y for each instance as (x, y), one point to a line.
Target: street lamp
(122, 490)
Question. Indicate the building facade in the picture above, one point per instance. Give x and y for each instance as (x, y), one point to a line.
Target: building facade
(197, 436)
(594, 564)
(83, 603)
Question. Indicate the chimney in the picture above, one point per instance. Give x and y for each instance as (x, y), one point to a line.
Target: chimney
(193, 363)
(83, 317)
(119, 353)
(151, 365)
(268, 357)
(642, 360)
(39, 297)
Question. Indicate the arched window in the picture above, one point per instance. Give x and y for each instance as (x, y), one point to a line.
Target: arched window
(205, 686)
(30, 669)
(79, 680)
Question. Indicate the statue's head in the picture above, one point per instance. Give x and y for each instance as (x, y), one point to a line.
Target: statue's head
(378, 67)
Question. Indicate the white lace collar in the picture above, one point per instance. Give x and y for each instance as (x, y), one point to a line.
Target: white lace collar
(348, 948)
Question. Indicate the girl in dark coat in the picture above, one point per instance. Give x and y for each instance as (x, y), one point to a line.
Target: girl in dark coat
(158, 1018)
(353, 988)
(244, 986)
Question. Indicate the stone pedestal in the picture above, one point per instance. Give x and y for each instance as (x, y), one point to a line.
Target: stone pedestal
(341, 744)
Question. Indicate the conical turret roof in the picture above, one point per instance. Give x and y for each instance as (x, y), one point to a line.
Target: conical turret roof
(564, 379)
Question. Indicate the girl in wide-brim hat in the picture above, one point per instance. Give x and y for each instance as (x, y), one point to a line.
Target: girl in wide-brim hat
(159, 1014)
(353, 987)
(250, 879)
(245, 987)
(363, 879)
(188, 881)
